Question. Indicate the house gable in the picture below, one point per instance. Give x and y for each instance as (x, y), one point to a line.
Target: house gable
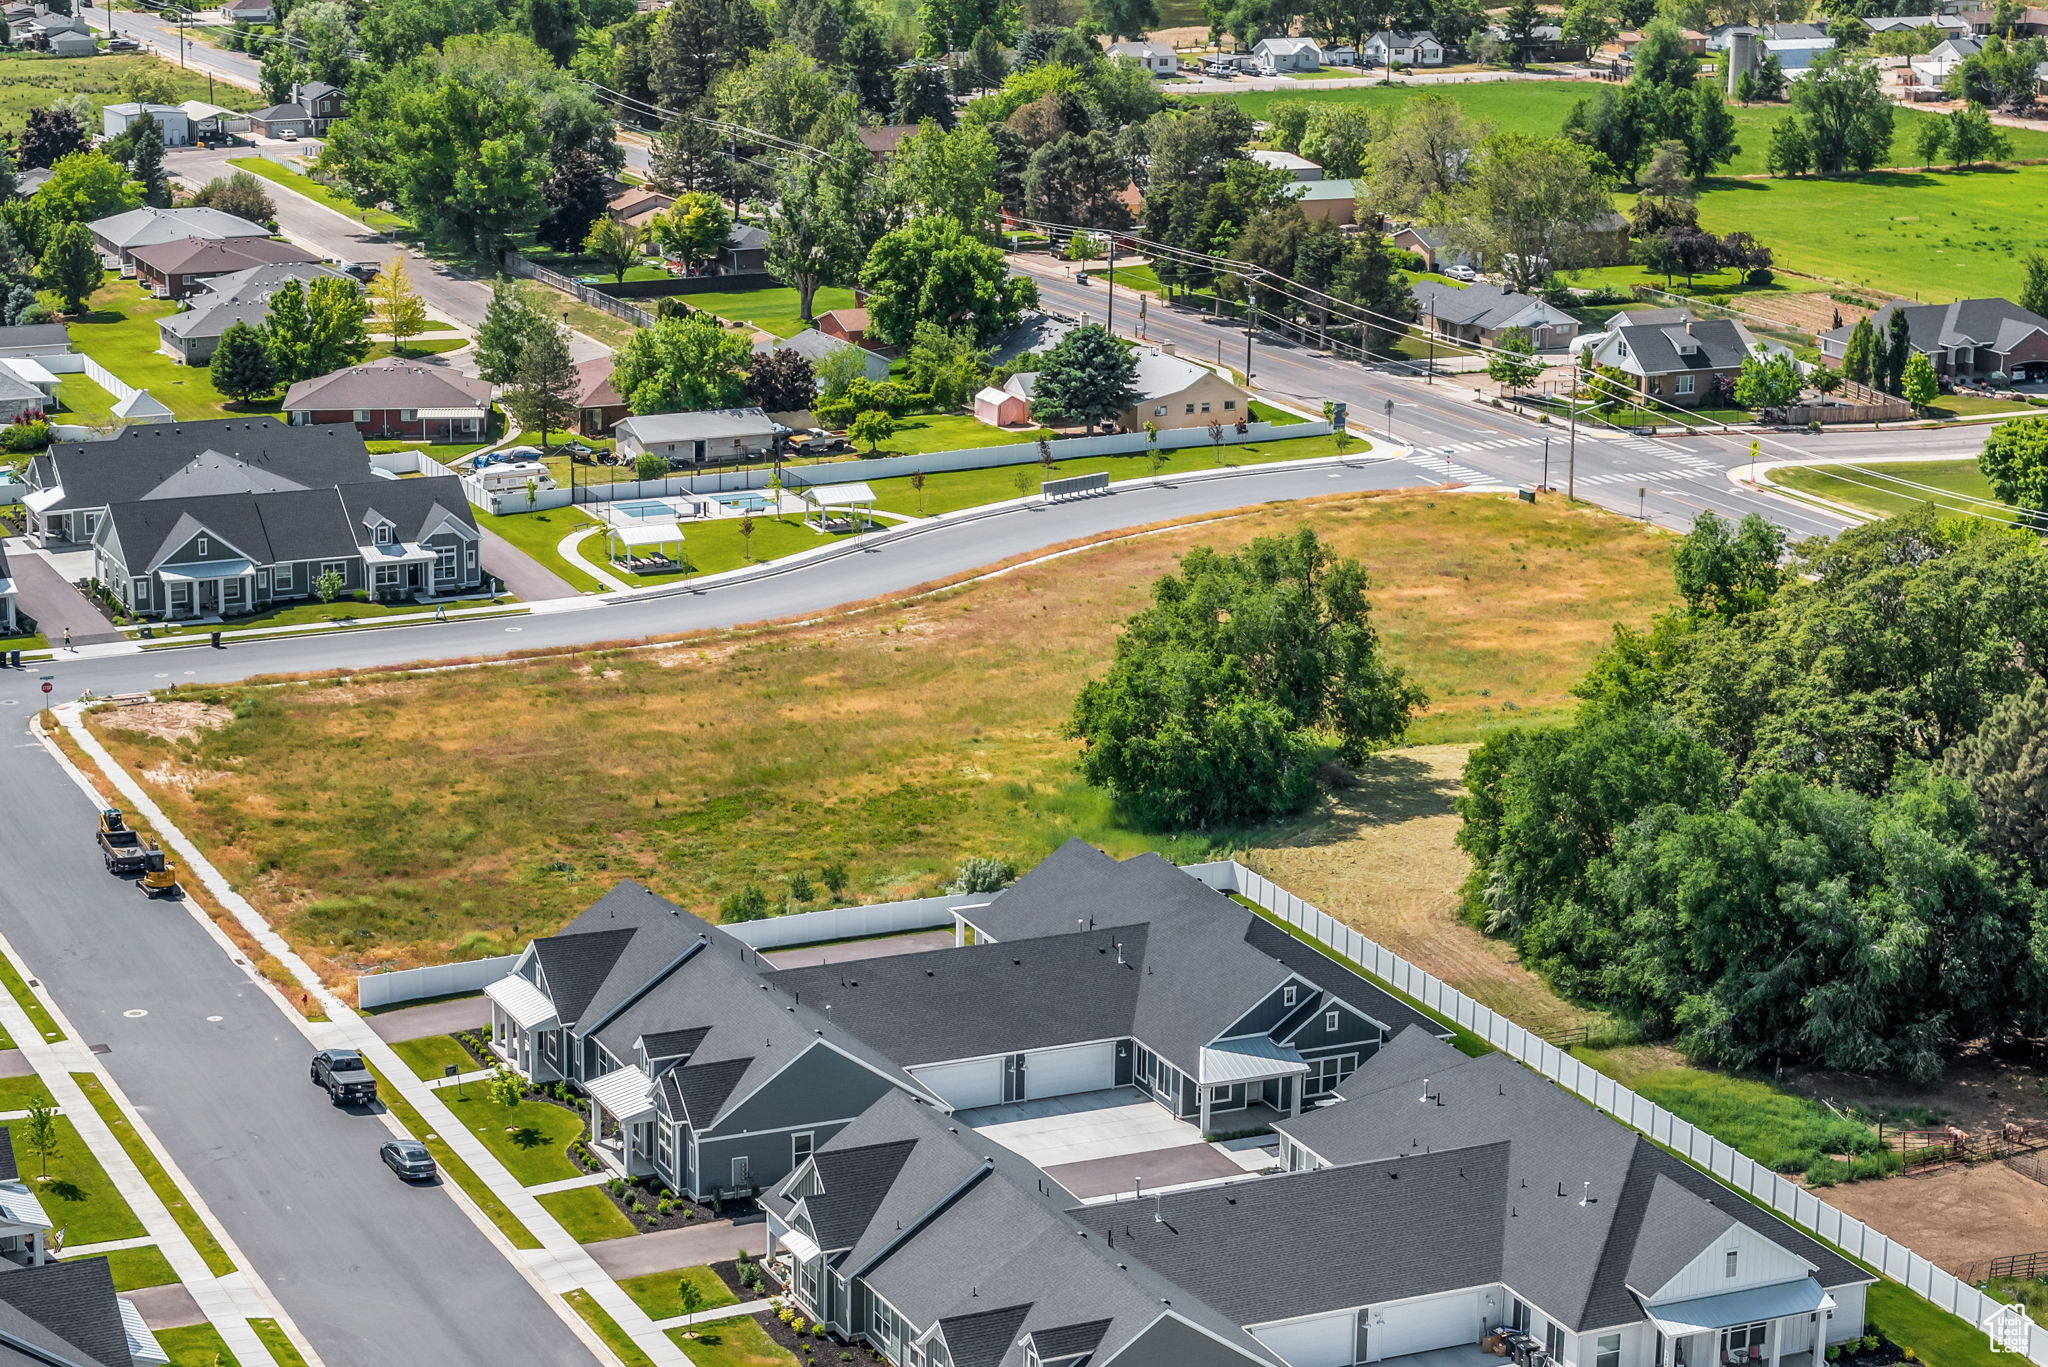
(820, 1084)
(1757, 1262)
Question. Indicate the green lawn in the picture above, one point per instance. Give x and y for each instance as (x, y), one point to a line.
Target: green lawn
(28, 1001)
(576, 264)
(1139, 278)
(19, 1093)
(1884, 489)
(531, 1140)
(587, 1214)
(607, 1328)
(1979, 406)
(418, 346)
(135, 1268)
(430, 1057)
(537, 535)
(344, 610)
(444, 454)
(153, 1172)
(312, 189)
(656, 1292)
(923, 432)
(1937, 1338)
(31, 81)
(772, 310)
(454, 1169)
(196, 1345)
(79, 1195)
(1540, 107)
(278, 1342)
(945, 493)
(120, 333)
(84, 401)
(1932, 235)
(716, 546)
(734, 1343)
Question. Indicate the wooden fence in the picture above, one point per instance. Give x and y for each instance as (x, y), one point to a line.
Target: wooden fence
(515, 264)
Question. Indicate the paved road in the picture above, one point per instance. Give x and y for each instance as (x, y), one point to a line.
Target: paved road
(373, 1271)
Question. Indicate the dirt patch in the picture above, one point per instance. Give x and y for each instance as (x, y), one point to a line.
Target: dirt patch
(172, 721)
(1386, 862)
(1981, 1089)
(1813, 311)
(1957, 1217)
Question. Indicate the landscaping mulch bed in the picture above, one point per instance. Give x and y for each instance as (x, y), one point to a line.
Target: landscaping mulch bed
(729, 1273)
(649, 1191)
(808, 1347)
(1883, 1355)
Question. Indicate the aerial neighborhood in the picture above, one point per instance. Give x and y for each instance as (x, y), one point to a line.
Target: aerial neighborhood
(1047, 683)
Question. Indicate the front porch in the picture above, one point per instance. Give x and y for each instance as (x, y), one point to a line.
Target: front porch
(622, 1121)
(1784, 1324)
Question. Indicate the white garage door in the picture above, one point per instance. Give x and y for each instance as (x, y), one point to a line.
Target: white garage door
(1422, 1325)
(1081, 1068)
(1311, 1343)
(964, 1085)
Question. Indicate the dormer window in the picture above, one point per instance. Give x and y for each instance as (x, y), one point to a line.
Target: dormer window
(383, 534)
(1288, 993)
(1330, 1020)
(200, 546)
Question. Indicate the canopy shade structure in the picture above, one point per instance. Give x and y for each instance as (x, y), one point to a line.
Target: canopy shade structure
(627, 1093)
(650, 534)
(526, 1004)
(1729, 1308)
(1249, 1060)
(212, 569)
(839, 495)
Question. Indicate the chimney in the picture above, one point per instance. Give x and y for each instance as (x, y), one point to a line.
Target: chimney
(1688, 327)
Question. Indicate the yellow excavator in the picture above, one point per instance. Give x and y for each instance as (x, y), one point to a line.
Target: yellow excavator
(159, 874)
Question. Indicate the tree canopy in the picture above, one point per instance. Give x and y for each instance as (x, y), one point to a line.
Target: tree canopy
(931, 269)
(1247, 670)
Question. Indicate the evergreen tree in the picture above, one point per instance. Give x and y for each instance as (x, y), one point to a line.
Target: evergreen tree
(1087, 377)
(1709, 133)
(922, 93)
(514, 316)
(1859, 353)
(2033, 295)
(1898, 346)
(146, 161)
(543, 392)
(868, 66)
(241, 368)
(2005, 765)
(1520, 22)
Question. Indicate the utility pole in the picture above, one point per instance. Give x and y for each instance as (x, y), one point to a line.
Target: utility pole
(1571, 459)
(1111, 279)
(1251, 326)
(1546, 462)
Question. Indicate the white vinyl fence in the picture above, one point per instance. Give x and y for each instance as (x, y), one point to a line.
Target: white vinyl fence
(885, 467)
(1795, 1203)
(435, 980)
(852, 923)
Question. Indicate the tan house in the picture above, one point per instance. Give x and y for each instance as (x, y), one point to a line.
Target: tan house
(1179, 393)
(637, 206)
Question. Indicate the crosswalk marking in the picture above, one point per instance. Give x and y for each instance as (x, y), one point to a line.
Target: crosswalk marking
(1445, 470)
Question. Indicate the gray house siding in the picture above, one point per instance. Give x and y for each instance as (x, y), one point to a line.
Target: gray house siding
(821, 1085)
(1352, 1030)
(767, 1155)
(1261, 1019)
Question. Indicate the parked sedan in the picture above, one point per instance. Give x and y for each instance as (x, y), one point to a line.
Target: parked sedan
(408, 1158)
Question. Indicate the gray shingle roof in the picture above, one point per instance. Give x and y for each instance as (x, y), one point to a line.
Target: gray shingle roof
(1998, 324)
(1481, 305)
(853, 1182)
(171, 460)
(42, 338)
(1574, 1260)
(66, 1307)
(1708, 344)
(389, 383)
(575, 963)
(980, 1339)
(673, 1043)
(699, 1092)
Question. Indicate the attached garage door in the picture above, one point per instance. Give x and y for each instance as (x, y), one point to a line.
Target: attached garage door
(1082, 1068)
(964, 1085)
(1311, 1343)
(1422, 1325)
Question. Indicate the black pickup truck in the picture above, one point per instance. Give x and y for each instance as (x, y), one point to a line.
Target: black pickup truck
(345, 1076)
(120, 846)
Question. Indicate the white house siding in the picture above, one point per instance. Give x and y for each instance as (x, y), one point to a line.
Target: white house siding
(1758, 1262)
(1419, 1325)
(963, 1086)
(1078, 1068)
(1324, 1342)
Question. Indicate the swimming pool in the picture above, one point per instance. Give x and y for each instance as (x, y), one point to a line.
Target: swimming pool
(644, 508)
(744, 502)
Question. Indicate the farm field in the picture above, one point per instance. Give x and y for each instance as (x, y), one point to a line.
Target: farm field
(33, 81)
(1541, 107)
(896, 741)
(1926, 235)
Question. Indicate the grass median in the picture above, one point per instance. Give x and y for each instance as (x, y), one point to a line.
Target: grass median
(606, 1328)
(217, 1260)
(18, 988)
(279, 1343)
(325, 195)
(196, 1345)
(1889, 488)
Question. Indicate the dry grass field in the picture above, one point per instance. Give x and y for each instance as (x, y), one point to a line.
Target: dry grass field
(408, 818)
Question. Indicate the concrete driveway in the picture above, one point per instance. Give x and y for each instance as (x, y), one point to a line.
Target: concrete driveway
(44, 594)
(525, 578)
(1081, 1127)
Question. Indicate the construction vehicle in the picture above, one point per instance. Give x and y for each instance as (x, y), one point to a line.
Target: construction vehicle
(120, 846)
(159, 874)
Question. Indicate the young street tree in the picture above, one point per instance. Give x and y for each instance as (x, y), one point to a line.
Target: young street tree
(543, 392)
(1086, 378)
(241, 368)
(40, 1133)
(1514, 365)
(400, 309)
(2015, 461)
(1224, 694)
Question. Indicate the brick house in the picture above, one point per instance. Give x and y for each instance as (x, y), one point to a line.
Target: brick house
(395, 398)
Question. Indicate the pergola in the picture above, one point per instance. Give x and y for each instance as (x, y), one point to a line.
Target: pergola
(856, 500)
(625, 544)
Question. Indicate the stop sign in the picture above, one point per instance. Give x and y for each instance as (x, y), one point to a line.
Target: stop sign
(49, 688)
